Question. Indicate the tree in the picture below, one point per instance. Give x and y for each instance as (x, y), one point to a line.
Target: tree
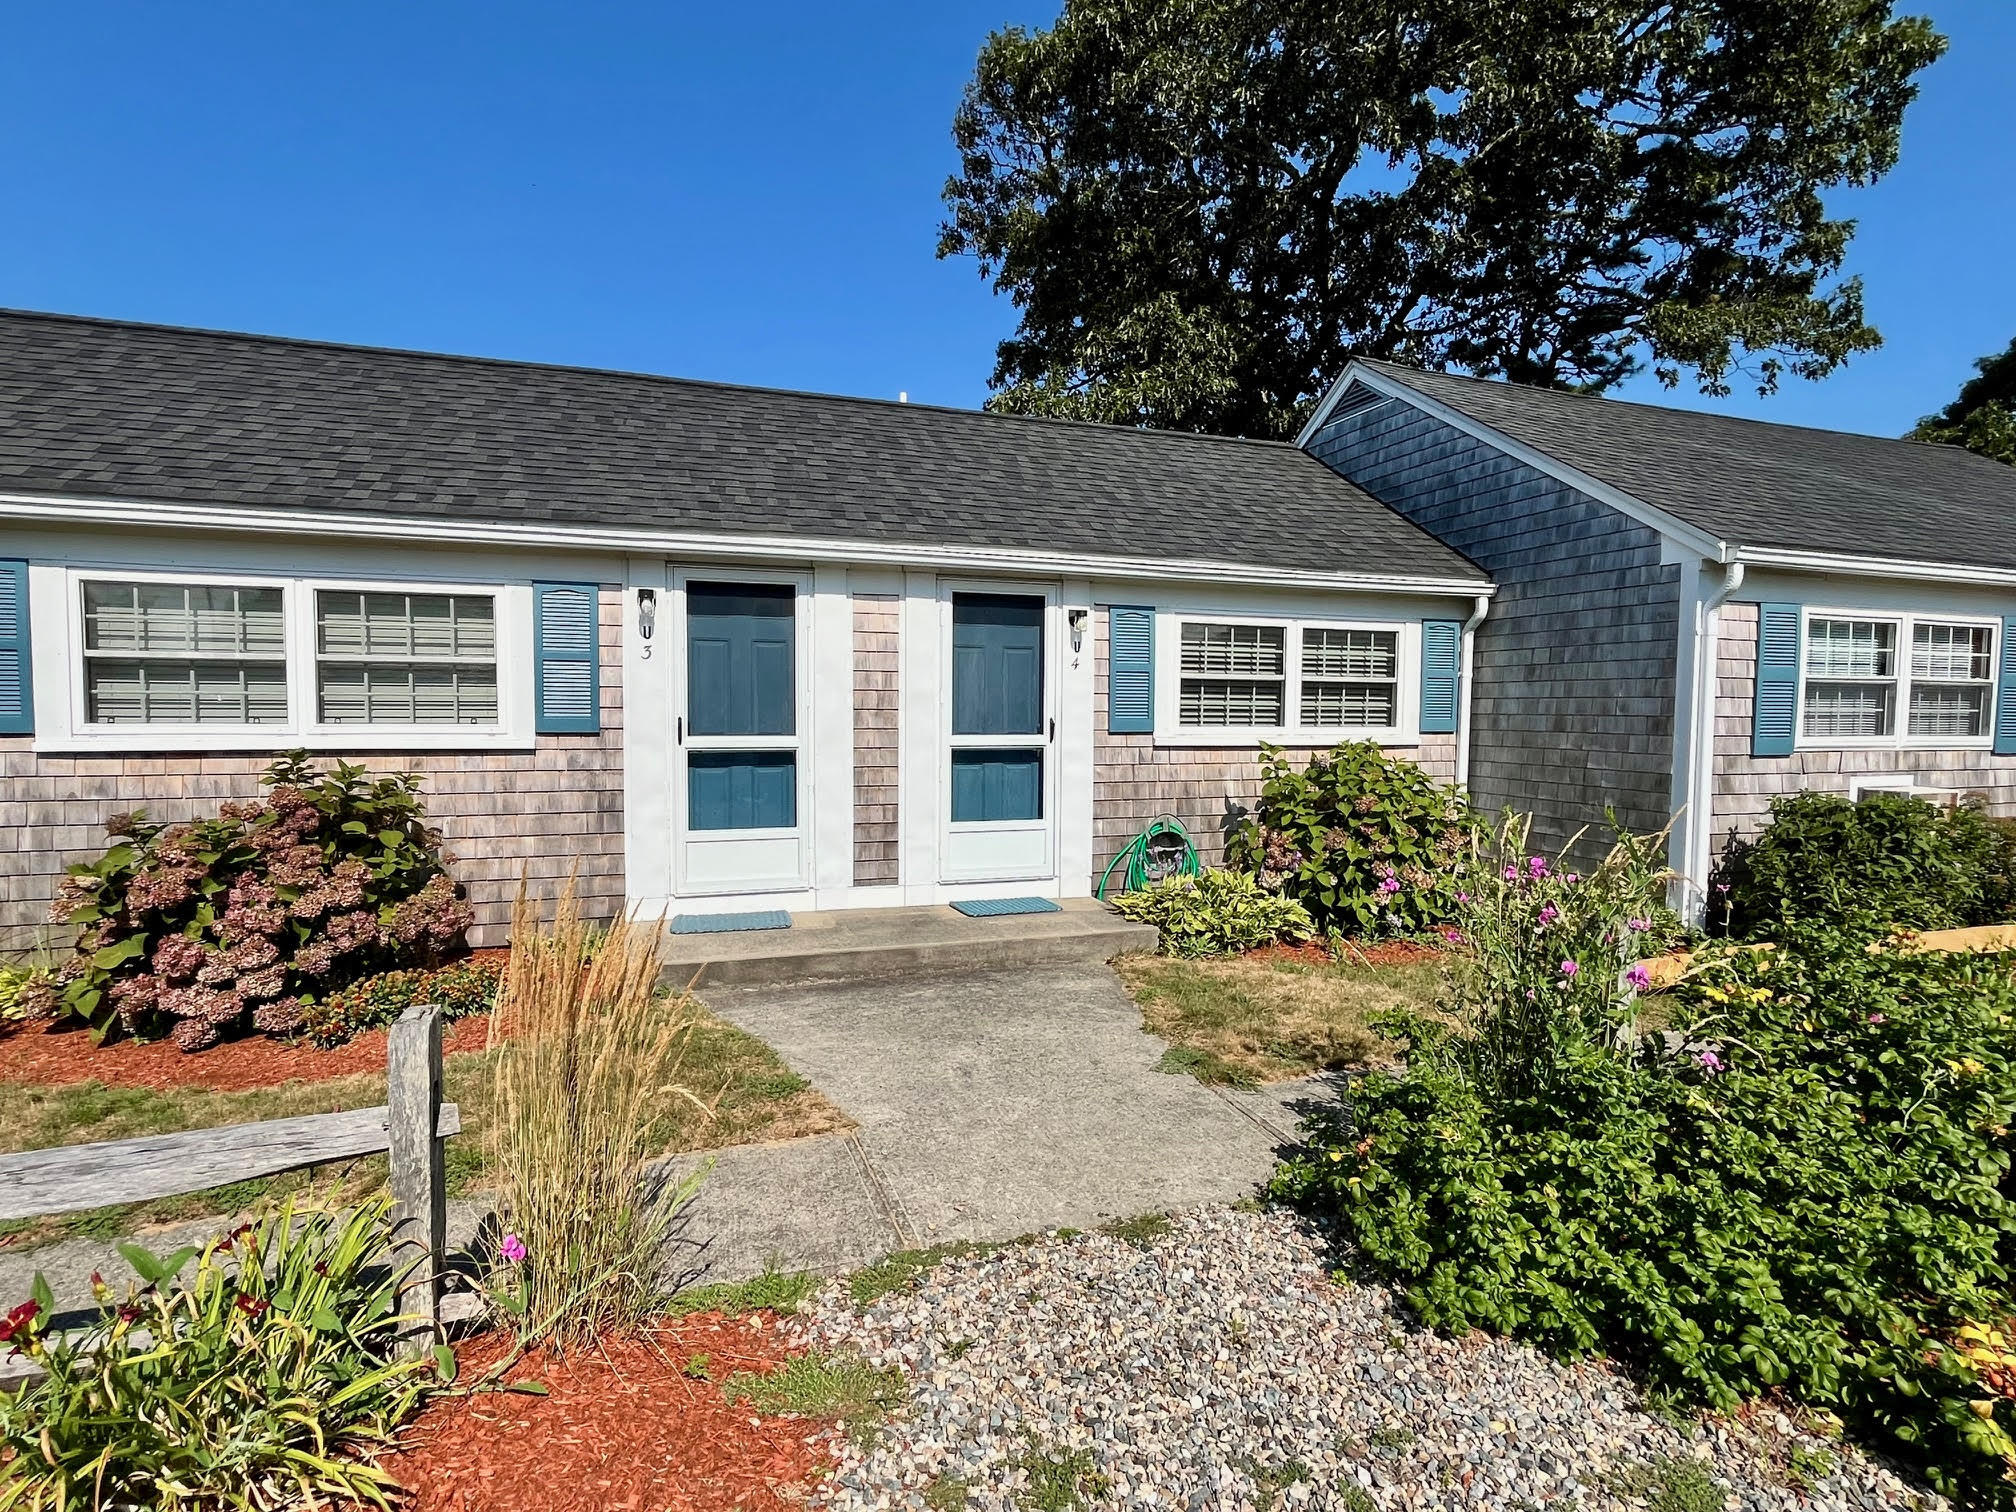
(1203, 208)
(1982, 417)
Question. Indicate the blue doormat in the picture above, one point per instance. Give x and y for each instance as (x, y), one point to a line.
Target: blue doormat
(768, 918)
(989, 908)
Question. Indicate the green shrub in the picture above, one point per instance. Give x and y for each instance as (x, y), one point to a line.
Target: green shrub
(255, 1383)
(26, 992)
(1215, 912)
(1810, 1196)
(459, 989)
(1368, 843)
(198, 929)
(1887, 861)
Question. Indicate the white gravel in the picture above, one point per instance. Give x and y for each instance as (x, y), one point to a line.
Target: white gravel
(1219, 1367)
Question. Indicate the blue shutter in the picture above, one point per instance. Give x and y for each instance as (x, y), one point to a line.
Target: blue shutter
(1441, 671)
(566, 669)
(2005, 692)
(1130, 670)
(1774, 720)
(17, 681)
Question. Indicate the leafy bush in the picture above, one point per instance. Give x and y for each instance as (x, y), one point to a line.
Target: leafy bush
(1887, 861)
(199, 928)
(26, 992)
(458, 989)
(255, 1383)
(1215, 912)
(1368, 843)
(1804, 1190)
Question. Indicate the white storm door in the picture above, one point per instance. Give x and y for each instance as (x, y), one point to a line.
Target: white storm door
(1000, 749)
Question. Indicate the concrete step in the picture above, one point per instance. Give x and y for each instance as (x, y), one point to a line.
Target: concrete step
(892, 942)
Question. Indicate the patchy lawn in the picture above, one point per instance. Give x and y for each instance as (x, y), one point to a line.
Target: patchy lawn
(759, 1098)
(1273, 1015)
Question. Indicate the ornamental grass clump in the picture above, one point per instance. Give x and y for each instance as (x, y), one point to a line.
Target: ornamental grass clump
(588, 1057)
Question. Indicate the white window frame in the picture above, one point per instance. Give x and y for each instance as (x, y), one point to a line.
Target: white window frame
(1169, 729)
(1901, 738)
(60, 660)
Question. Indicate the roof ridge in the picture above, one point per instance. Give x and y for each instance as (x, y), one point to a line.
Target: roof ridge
(263, 338)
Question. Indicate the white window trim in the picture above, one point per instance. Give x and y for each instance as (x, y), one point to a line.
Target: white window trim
(59, 673)
(1901, 738)
(1170, 731)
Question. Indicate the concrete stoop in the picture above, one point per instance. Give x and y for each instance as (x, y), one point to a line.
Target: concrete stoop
(845, 944)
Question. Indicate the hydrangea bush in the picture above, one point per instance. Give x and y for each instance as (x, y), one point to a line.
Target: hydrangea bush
(202, 929)
(1370, 844)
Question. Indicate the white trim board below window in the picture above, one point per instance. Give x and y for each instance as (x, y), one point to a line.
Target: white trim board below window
(184, 636)
(1306, 680)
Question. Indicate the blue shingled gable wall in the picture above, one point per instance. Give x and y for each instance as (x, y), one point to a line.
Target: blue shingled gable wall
(1574, 681)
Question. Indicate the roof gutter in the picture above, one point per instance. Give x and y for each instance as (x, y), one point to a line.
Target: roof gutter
(1700, 827)
(1480, 606)
(1863, 566)
(702, 544)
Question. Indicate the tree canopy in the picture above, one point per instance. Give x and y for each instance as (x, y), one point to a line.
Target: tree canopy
(1982, 416)
(1203, 208)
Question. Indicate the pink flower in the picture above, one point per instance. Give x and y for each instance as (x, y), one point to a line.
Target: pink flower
(1638, 926)
(1453, 936)
(1569, 968)
(1638, 977)
(1573, 878)
(1877, 1018)
(1549, 914)
(1511, 874)
(512, 1249)
(1390, 886)
(1537, 865)
(1711, 1062)
(1462, 897)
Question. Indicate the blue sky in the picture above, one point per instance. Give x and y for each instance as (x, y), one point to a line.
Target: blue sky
(745, 193)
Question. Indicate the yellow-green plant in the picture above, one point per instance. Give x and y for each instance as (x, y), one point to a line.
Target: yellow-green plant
(261, 1381)
(588, 1057)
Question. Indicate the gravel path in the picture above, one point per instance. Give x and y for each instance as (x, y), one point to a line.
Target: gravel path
(1217, 1367)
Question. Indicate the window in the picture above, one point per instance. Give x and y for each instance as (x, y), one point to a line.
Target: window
(1861, 687)
(1286, 677)
(405, 658)
(183, 654)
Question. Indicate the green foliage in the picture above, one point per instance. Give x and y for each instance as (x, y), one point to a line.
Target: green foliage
(1143, 1231)
(903, 1269)
(1215, 912)
(1058, 1479)
(1982, 416)
(1811, 1196)
(1202, 210)
(198, 928)
(1677, 1484)
(838, 1385)
(27, 991)
(772, 1291)
(254, 1383)
(1887, 861)
(1369, 843)
(459, 989)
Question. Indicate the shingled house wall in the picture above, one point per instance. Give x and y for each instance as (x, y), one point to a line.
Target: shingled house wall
(541, 813)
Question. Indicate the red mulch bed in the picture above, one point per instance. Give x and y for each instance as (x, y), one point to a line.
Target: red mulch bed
(1379, 953)
(45, 1055)
(622, 1427)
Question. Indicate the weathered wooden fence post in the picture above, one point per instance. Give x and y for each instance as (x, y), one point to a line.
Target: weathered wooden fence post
(419, 1186)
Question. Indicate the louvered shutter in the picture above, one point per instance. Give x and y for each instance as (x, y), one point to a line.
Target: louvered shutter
(566, 670)
(17, 690)
(1774, 721)
(1130, 670)
(2005, 692)
(1441, 672)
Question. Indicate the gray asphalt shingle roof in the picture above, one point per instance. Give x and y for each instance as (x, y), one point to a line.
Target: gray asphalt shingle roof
(1755, 483)
(105, 409)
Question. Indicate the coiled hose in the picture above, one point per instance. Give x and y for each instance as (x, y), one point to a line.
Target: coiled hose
(1161, 850)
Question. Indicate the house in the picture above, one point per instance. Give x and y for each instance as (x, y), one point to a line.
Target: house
(712, 647)
(1694, 612)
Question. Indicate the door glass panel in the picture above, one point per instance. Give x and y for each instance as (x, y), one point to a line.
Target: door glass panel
(997, 664)
(993, 786)
(741, 659)
(740, 790)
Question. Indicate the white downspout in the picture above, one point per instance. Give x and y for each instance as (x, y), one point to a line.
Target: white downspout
(1480, 606)
(1701, 786)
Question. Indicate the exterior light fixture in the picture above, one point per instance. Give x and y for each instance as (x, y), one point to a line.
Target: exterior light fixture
(1077, 618)
(647, 612)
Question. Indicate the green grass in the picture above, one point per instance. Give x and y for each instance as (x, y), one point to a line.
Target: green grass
(1246, 1020)
(1059, 1479)
(902, 1269)
(1141, 1231)
(947, 1493)
(1678, 1484)
(773, 1291)
(842, 1386)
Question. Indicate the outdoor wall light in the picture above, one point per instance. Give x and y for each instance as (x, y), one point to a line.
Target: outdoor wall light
(1077, 618)
(647, 612)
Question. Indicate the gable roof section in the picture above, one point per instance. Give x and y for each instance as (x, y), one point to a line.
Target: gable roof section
(1753, 483)
(103, 410)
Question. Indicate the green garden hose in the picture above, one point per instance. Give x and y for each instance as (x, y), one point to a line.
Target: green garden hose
(1161, 850)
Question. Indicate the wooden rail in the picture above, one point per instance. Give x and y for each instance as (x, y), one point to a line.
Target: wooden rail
(410, 1127)
(1983, 939)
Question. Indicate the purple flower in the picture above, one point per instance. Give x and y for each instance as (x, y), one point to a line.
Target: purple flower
(1549, 914)
(1390, 885)
(1638, 926)
(1638, 977)
(1569, 968)
(1573, 878)
(1877, 1018)
(512, 1249)
(1462, 897)
(1453, 936)
(1721, 887)
(1511, 874)
(1711, 1062)
(1537, 865)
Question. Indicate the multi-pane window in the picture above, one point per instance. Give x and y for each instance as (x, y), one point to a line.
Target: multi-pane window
(405, 658)
(1862, 686)
(1294, 676)
(184, 654)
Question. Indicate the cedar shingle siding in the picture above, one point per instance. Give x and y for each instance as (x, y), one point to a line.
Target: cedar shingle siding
(541, 812)
(1574, 681)
(877, 759)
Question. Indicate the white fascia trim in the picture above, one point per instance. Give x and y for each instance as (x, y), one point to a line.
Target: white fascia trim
(1696, 540)
(97, 513)
(1884, 567)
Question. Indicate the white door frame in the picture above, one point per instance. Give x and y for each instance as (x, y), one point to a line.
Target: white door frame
(778, 860)
(952, 866)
